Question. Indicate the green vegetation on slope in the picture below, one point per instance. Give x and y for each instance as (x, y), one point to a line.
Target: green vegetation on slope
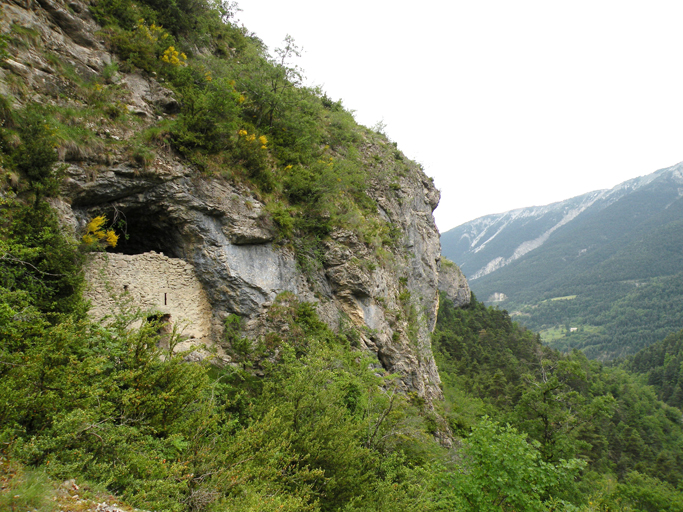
(323, 428)
(572, 407)
(662, 364)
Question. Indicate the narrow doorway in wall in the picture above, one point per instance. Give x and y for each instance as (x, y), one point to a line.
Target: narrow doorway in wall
(164, 328)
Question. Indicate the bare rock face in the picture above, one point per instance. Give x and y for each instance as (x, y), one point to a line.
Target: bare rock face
(403, 341)
(454, 284)
(66, 31)
(148, 95)
(223, 232)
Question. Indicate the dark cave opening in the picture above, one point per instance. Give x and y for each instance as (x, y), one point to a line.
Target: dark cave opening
(143, 230)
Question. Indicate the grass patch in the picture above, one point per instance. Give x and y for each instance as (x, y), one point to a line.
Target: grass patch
(25, 489)
(553, 334)
(556, 336)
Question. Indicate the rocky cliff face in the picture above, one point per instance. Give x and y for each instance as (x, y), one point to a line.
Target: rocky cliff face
(222, 228)
(454, 284)
(224, 232)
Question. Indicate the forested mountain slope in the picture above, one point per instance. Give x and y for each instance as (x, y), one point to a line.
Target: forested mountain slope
(608, 266)
(662, 364)
(570, 405)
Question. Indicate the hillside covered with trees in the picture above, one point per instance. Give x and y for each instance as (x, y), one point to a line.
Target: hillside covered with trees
(608, 417)
(662, 364)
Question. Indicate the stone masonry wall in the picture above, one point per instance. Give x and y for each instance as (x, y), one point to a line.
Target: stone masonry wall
(155, 283)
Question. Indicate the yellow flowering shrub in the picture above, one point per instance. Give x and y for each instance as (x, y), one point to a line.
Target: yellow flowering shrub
(150, 32)
(253, 156)
(96, 234)
(251, 137)
(146, 46)
(174, 58)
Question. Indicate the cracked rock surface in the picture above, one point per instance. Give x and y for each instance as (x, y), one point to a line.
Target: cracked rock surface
(223, 229)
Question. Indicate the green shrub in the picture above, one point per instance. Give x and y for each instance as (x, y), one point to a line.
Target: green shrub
(282, 215)
(208, 119)
(39, 266)
(502, 471)
(143, 46)
(35, 157)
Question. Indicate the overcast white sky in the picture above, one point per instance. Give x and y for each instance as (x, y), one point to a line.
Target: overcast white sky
(506, 103)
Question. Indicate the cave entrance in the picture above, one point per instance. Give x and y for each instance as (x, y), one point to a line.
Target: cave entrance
(143, 230)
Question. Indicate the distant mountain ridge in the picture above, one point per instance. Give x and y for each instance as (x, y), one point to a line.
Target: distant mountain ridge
(489, 243)
(594, 250)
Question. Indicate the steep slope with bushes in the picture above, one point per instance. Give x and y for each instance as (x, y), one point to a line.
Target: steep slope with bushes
(312, 236)
(572, 407)
(192, 140)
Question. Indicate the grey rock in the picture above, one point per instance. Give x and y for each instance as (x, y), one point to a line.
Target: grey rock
(227, 236)
(454, 284)
(70, 36)
(72, 26)
(146, 94)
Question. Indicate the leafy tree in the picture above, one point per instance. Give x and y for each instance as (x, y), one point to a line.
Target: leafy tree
(638, 492)
(554, 412)
(209, 117)
(502, 471)
(271, 83)
(39, 266)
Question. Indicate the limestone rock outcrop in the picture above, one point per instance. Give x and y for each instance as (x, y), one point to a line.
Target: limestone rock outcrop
(454, 284)
(228, 238)
(64, 30)
(222, 230)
